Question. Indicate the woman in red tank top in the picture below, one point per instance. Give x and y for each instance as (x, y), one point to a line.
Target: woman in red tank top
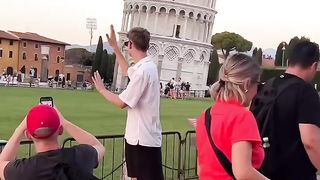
(233, 128)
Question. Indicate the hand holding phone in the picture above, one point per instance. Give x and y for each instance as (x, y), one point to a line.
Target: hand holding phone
(46, 101)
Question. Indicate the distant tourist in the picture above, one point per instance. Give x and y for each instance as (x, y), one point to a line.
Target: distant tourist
(228, 139)
(19, 77)
(187, 91)
(172, 91)
(141, 99)
(31, 76)
(43, 124)
(177, 88)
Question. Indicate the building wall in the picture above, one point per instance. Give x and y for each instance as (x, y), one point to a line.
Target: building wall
(30, 60)
(75, 70)
(5, 61)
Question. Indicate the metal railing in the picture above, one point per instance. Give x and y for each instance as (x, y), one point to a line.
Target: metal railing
(179, 156)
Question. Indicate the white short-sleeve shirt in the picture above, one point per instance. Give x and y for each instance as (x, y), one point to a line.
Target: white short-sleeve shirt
(142, 96)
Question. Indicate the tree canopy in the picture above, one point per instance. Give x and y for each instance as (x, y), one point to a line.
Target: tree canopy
(227, 42)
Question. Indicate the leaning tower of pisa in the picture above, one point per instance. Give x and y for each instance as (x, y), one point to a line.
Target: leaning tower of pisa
(181, 33)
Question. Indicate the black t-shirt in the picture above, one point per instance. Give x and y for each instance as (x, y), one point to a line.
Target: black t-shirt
(188, 87)
(298, 104)
(42, 166)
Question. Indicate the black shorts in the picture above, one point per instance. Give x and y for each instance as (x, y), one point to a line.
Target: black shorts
(143, 163)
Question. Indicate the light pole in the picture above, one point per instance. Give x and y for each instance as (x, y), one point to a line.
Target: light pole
(91, 25)
(283, 49)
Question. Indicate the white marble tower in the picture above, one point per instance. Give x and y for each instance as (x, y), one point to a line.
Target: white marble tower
(181, 33)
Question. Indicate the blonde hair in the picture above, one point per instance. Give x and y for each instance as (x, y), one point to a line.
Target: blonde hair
(235, 72)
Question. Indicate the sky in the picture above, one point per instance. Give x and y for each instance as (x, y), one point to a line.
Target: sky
(264, 22)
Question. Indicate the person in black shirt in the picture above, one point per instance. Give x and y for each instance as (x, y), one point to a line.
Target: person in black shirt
(43, 125)
(187, 89)
(297, 118)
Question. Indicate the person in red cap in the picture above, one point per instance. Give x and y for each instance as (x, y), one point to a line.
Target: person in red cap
(43, 124)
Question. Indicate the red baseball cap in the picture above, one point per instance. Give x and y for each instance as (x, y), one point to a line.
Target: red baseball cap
(42, 121)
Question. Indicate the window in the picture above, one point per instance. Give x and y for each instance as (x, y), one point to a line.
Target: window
(68, 76)
(24, 44)
(11, 42)
(59, 48)
(36, 46)
(10, 54)
(24, 56)
(58, 59)
(177, 35)
(0, 53)
(0, 41)
(36, 57)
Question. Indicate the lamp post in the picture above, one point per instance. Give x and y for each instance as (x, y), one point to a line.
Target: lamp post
(283, 49)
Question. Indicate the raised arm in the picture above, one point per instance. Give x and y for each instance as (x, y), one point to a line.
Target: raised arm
(109, 96)
(119, 56)
(10, 151)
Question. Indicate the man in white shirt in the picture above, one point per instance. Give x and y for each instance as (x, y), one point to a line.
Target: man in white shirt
(142, 100)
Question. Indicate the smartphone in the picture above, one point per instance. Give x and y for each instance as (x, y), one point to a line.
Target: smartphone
(46, 101)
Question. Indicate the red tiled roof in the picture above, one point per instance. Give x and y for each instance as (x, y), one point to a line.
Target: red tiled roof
(36, 37)
(5, 35)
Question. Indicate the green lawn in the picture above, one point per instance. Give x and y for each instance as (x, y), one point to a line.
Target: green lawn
(89, 110)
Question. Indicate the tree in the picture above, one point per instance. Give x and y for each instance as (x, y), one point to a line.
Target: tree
(79, 56)
(259, 56)
(110, 68)
(98, 56)
(228, 42)
(104, 65)
(281, 54)
(254, 54)
(214, 68)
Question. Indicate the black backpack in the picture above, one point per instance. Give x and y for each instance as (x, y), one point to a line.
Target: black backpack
(264, 109)
(66, 172)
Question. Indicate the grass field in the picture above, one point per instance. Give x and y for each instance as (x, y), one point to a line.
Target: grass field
(89, 110)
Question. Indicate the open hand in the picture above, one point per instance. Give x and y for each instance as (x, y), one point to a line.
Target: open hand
(98, 82)
(112, 39)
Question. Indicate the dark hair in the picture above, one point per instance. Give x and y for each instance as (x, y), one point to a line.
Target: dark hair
(304, 54)
(140, 37)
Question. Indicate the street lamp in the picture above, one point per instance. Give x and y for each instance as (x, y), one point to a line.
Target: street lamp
(283, 49)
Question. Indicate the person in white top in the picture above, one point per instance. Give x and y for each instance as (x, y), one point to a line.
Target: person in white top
(142, 100)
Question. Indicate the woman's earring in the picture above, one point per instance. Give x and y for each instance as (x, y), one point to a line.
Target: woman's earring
(246, 91)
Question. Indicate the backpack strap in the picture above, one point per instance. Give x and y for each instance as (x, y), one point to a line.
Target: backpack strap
(285, 85)
(224, 161)
(276, 91)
